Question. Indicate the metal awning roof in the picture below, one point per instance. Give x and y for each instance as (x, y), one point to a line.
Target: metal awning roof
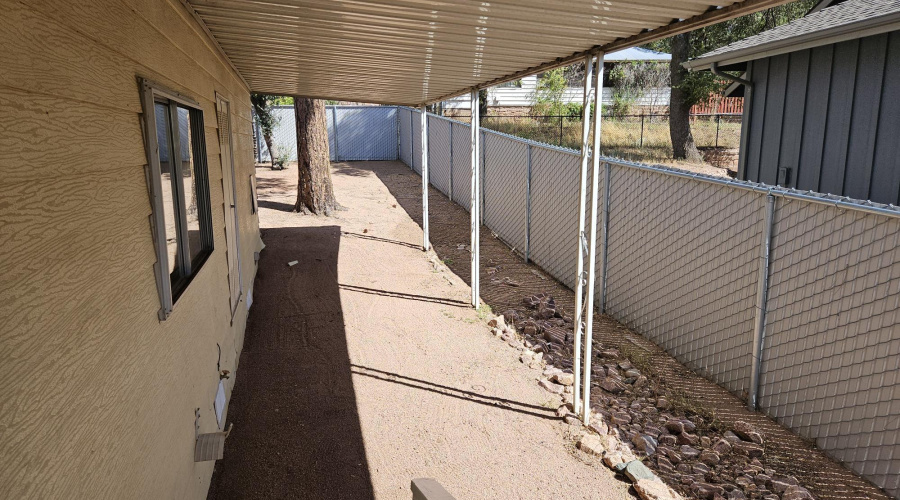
(421, 51)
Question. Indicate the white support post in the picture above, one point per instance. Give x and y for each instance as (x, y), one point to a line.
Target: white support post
(582, 240)
(592, 263)
(423, 130)
(476, 199)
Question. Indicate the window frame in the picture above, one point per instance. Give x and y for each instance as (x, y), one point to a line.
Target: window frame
(169, 286)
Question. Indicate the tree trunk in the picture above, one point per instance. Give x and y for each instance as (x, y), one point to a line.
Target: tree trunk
(314, 190)
(268, 140)
(482, 102)
(683, 147)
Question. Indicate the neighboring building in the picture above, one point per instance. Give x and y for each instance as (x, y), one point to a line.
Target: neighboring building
(823, 113)
(117, 315)
(515, 98)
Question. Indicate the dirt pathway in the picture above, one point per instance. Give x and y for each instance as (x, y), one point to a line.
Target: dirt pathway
(363, 366)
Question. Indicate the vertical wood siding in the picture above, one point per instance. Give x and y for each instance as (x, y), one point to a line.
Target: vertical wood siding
(830, 114)
(98, 396)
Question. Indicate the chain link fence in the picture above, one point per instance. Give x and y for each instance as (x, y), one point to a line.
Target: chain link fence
(685, 257)
(354, 133)
(689, 267)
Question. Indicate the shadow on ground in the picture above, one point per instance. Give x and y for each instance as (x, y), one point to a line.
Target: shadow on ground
(296, 428)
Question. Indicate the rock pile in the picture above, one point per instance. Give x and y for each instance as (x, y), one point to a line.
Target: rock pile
(636, 426)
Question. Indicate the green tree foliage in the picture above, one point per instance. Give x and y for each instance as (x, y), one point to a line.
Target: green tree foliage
(547, 98)
(699, 85)
(263, 106)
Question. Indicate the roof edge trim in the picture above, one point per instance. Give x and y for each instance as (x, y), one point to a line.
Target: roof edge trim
(190, 8)
(712, 16)
(852, 31)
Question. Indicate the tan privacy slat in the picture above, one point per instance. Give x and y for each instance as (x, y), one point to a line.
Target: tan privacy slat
(418, 51)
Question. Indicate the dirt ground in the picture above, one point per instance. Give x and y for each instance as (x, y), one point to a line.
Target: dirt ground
(364, 367)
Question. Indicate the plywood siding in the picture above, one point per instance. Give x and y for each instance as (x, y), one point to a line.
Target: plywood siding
(830, 115)
(97, 396)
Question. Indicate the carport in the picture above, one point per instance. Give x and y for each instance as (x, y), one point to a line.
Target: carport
(417, 53)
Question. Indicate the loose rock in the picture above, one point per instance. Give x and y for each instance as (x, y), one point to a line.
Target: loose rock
(591, 444)
(551, 387)
(654, 489)
(636, 470)
(747, 432)
(564, 378)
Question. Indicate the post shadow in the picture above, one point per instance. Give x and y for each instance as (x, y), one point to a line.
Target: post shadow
(296, 431)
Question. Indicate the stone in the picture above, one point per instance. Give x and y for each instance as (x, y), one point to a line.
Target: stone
(644, 443)
(779, 486)
(736, 494)
(709, 457)
(706, 490)
(526, 357)
(687, 438)
(564, 378)
(700, 469)
(572, 419)
(664, 464)
(641, 381)
(609, 353)
(662, 403)
(620, 418)
(722, 447)
(613, 458)
(667, 439)
(748, 449)
(499, 322)
(551, 387)
(631, 372)
(625, 365)
(515, 343)
(550, 372)
(654, 489)
(747, 432)
(612, 385)
(796, 492)
(762, 480)
(743, 481)
(636, 470)
(591, 445)
(689, 453)
(530, 329)
(684, 468)
(705, 442)
(599, 426)
(675, 426)
(510, 317)
(730, 436)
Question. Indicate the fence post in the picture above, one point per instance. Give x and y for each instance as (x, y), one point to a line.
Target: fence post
(560, 143)
(759, 329)
(483, 169)
(642, 130)
(451, 159)
(718, 121)
(412, 149)
(337, 156)
(527, 202)
(604, 237)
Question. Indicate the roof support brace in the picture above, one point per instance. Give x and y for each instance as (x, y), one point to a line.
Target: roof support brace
(592, 259)
(423, 131)
(474, 207)
(582, 240)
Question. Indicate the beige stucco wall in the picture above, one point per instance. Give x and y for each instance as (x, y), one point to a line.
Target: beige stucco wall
(97, 396)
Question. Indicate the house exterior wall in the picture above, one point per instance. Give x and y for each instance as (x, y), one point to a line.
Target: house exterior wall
(98, 395)
(831, 115)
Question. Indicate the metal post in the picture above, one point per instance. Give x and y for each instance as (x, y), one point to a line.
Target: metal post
(337, 156)
(483, 150)
(412, 148)
(642, 129)
(423, 130)
(582, 241)
(592, 262)
(476, 195)
(528, 203)
(718, 121)
(560, 143)
(759, 329)
(605, 237)
(451, 159)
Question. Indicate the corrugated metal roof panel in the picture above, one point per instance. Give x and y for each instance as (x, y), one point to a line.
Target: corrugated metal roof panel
(415, 51)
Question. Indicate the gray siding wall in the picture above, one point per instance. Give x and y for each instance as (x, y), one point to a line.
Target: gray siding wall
(831, 115)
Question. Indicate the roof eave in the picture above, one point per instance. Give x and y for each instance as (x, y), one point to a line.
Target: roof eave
(867, 27)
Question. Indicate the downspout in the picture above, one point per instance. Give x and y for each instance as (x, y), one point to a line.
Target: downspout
(745, 115)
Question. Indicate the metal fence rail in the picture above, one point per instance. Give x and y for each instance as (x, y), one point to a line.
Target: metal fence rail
(689, 266)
